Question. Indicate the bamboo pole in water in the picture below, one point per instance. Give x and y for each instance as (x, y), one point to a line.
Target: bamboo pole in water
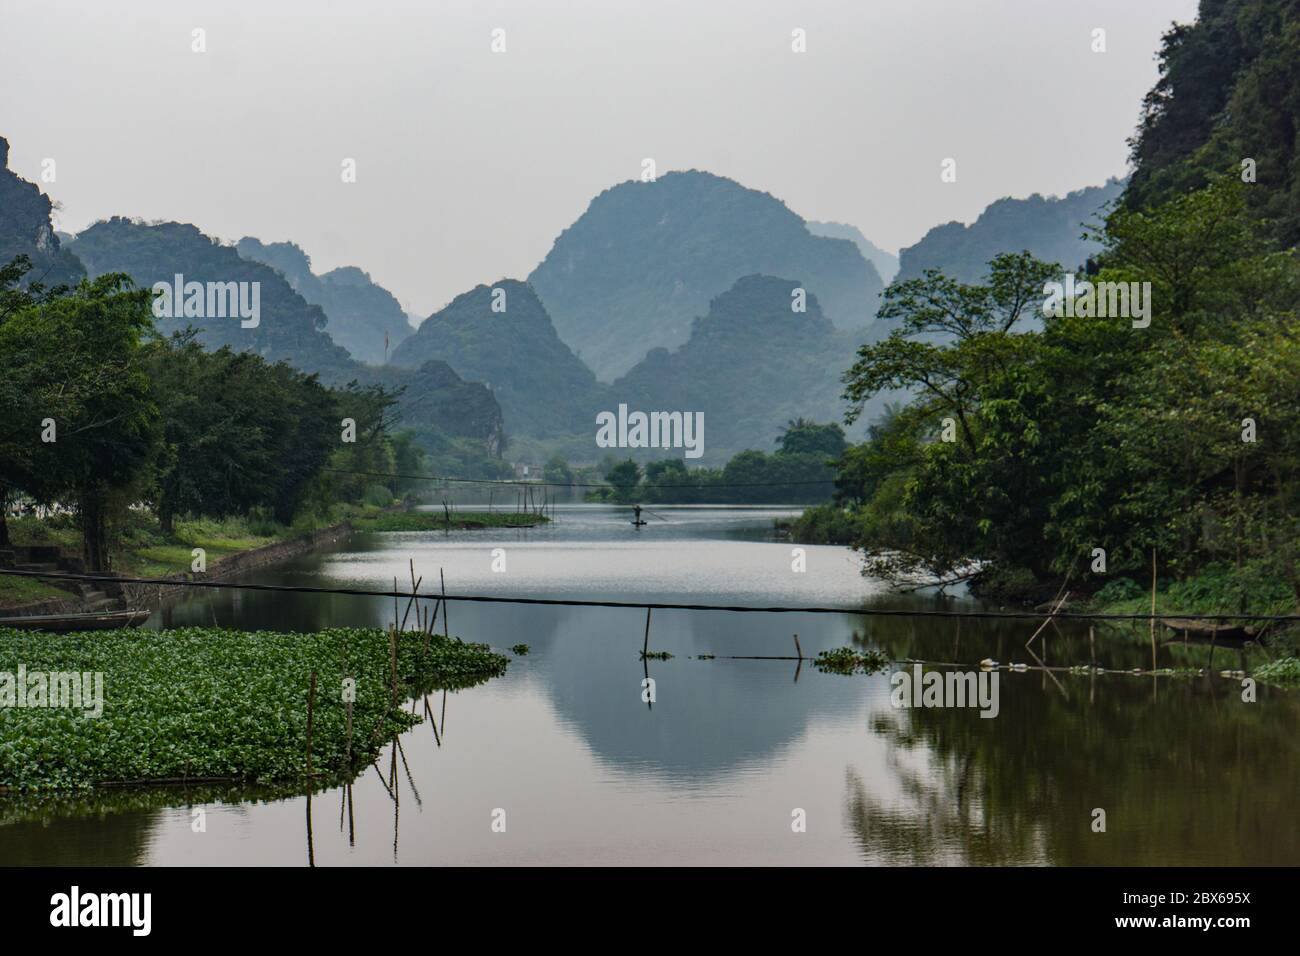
(446, 627)
(392, 653)
(311, 705)
(348, 709)
(1153, 608)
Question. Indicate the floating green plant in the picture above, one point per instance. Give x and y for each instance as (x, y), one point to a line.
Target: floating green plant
(848, 660)
(1285, 670)
(207, 704)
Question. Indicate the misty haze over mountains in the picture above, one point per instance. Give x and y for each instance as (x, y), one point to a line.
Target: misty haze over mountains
(362, 315)
(646, 258)
(675, 293)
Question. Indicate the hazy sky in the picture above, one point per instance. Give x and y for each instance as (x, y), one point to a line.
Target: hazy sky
(470, 163)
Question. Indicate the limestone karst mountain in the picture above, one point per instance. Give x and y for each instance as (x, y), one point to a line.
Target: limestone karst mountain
(886, 263)
(437, 402)
(360, 312)
(646, 258)
(1050, 227)
(544, 389)
(26, 229)
(751, 364)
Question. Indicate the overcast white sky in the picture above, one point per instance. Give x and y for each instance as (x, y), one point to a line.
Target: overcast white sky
(470, 163)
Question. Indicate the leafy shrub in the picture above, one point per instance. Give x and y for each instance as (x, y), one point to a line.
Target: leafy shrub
(377, 495)
(1120, 589)
(1286, 670)
(847, 660)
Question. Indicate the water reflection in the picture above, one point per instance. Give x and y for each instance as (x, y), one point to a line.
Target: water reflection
(589, 771)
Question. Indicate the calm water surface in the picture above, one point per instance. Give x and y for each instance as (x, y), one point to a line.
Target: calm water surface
(711, 774)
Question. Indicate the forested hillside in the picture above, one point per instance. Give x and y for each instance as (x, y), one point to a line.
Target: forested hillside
(289, 327)
(1228, 99)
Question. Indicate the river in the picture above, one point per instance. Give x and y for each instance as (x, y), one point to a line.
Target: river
(573, 766)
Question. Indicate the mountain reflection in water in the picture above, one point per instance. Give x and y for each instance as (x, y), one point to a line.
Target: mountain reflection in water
(564, 749)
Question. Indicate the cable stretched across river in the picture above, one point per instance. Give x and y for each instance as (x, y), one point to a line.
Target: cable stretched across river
(643, 605)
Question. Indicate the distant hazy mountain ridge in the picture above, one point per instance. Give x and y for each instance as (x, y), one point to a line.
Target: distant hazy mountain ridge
(544, 389)
(750, 364)
(647, 257)
(360, 312)
(1049, 227)
(886, 263)
(437, 402)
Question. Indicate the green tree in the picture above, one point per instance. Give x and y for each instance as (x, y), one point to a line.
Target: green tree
(624, 476)
(74, 373)
(803, 437)
(557, 470)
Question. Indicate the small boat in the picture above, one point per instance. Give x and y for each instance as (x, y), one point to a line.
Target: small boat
(87, 621)
(1199, 631)
(639, 523)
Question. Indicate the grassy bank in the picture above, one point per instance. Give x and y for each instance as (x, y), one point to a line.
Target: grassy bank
(1216, 589)
(142, 549)
(211, 704)
(15, 592)
(439, 520)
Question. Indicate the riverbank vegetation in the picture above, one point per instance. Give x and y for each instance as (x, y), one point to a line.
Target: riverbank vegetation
(207, 704)
(1108, 450)
(1077, 447)
(1284, 671)
(108, 421)
(1100, 450)
(801, 470)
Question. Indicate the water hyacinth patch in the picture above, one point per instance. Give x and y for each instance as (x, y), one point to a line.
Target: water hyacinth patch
(214, 704)
(846, 660)
(1285, 671)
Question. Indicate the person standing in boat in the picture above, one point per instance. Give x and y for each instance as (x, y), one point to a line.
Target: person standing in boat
(636, 509)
